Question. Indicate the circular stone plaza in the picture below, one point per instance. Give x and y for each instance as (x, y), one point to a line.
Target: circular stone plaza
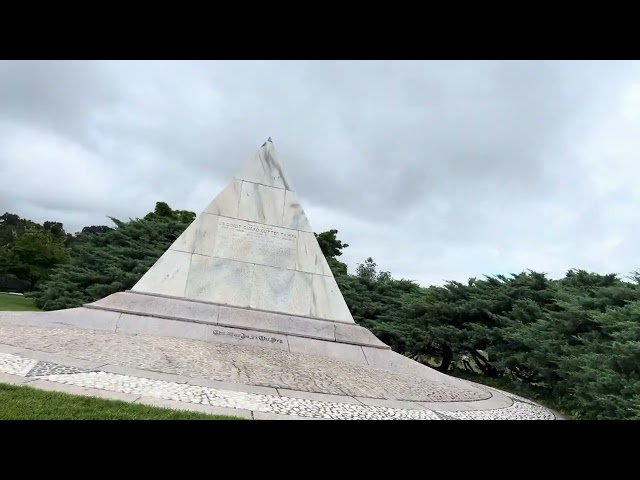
(247, 381)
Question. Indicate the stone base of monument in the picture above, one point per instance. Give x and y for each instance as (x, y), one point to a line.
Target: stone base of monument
(279, 328)
(145, 314)
(141, 313)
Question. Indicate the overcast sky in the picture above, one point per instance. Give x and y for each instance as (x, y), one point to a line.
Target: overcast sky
(437, 169)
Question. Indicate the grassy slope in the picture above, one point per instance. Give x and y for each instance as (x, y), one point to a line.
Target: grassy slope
(16, 303)
(26, 403)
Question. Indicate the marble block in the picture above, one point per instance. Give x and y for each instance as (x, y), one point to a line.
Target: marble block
(219, 280)
(227, 201)
(265, 168)
(310, 258)
(199, 236)
(250, 319)
(184, 243)
(308, 327)
(261, 204)
(130, 302)
(205, 234)
(163, 327)
(327, 301)
(293, 215)
(283, 291)
(79, 317)
(256, 243)
(168, 276)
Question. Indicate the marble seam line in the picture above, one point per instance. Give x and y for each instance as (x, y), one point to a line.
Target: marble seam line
(284, 205)
(118, 321)
(248, 263)
(263, 184)
(226, 305)
(239, 199)
(72, 325)
(184, 292)
(366, 360)
(260, 202)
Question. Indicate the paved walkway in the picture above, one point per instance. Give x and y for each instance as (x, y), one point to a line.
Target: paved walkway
(250, 382)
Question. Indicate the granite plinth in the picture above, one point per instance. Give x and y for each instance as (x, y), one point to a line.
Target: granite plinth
(149, 314)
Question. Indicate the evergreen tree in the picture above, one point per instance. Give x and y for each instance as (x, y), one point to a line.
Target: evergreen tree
(110, 260)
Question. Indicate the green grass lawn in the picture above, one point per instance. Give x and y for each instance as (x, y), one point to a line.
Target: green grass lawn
(26, 403)
(16, 303)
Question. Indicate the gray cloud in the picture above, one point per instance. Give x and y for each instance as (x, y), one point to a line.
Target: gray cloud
(436, 169)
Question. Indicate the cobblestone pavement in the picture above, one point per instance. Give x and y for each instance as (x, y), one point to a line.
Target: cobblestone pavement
(271, 404)
(238, 364)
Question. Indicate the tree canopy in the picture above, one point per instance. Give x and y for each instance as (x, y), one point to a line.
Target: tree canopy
(28, 251)
(105, 260)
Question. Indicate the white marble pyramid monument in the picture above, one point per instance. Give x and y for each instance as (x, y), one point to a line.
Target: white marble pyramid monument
(251, 247)
(251, 266)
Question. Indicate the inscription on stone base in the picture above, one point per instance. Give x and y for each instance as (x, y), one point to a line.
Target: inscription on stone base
(256, 243)
(247, 336)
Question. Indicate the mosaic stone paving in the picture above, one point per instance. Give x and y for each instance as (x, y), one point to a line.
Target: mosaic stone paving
(145, 387)
(518, 411)
(513, 396)
(42, 369)
(15, 365)
(238, 364)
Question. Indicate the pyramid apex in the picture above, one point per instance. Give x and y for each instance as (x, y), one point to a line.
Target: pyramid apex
(265, 168)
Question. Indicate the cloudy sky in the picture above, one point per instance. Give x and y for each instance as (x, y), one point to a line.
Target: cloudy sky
(437, 169)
